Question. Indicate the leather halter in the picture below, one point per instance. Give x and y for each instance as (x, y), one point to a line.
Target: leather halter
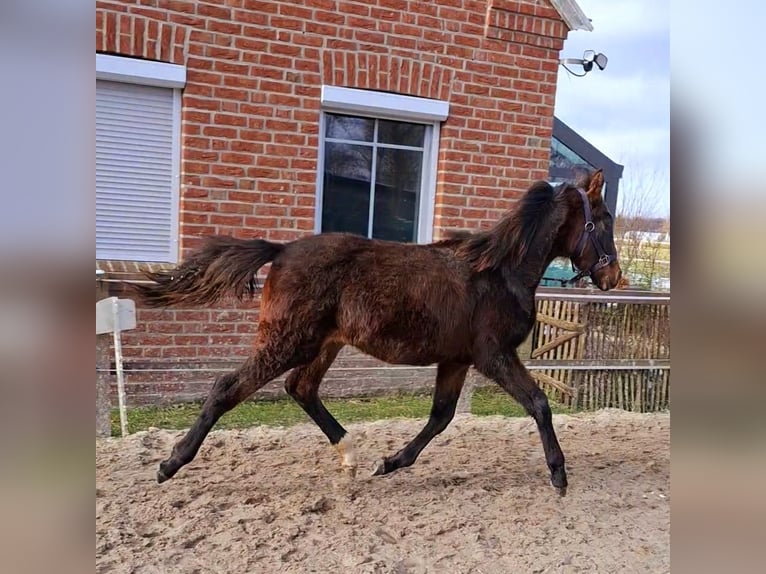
(604, 258)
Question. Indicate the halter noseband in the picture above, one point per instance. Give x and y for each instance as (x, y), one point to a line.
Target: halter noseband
(604, 258)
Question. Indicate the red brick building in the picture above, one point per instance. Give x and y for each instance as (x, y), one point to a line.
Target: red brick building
(390, 118)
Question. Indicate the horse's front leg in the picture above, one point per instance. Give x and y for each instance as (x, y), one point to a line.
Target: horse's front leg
(449, 383)
(507, 370)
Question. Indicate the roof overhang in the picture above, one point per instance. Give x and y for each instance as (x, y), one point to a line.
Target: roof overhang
(572, 14)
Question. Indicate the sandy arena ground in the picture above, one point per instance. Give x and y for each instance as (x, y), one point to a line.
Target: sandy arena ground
(477, 500)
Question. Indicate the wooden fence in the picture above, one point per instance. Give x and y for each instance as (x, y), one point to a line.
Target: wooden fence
(590, 350)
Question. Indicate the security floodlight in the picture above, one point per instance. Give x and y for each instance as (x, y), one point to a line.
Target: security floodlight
(589, 58)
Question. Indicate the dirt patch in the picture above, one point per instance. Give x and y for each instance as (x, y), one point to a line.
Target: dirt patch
(477, 500)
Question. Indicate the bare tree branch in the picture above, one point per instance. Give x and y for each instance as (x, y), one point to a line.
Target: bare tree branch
(642, 238)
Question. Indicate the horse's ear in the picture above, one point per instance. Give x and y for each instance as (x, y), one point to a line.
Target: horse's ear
(595, 184)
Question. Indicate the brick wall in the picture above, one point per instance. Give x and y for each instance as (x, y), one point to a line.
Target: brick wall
(251, 112)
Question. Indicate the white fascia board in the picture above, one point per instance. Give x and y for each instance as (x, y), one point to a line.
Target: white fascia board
(381, 104)
(573, 15)
(135, 71)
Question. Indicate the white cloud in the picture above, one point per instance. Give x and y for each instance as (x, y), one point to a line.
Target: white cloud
(624, 110)
(644, 144)
(603, 96)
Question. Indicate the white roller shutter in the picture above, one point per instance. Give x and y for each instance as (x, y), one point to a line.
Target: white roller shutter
(137, 158)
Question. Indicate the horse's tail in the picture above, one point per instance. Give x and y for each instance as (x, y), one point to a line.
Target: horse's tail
(222, 266)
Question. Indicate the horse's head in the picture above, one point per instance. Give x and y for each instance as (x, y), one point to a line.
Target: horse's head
(587, 235)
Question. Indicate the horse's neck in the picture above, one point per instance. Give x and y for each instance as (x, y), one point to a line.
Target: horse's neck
(529, 272)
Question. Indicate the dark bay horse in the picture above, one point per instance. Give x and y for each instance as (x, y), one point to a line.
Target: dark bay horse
(466, 300)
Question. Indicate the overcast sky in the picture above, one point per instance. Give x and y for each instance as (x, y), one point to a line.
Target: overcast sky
(624, 110)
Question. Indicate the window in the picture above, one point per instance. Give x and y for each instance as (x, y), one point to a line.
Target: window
(377, 168)
(571, 154)
(138, 114)
(565, 163)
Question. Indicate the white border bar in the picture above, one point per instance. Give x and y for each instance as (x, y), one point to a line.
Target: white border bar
(135, 71)
(383, 105)
(428, 186)
(175, 185)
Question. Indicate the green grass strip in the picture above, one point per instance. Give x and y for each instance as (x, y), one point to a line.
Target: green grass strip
(285, 412)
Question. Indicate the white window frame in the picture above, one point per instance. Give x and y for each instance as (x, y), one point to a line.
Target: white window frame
(386, 106)
(163, 75)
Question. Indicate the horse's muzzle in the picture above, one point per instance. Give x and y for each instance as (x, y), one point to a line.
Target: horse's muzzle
(608, 277)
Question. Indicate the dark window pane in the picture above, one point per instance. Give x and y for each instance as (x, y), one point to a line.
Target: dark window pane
(401, 133)
(397, 193)
(346, 188)
(565, 163)
(563, 156)
(349, 128)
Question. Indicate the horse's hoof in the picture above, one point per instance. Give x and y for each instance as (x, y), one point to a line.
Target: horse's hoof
(559, 482)
(559, 479)
(379, 469)
(562, 491)
(163, 474)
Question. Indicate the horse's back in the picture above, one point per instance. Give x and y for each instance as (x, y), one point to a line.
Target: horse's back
(403, 303)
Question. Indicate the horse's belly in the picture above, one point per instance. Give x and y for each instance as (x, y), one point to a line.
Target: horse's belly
(409, 343)
(399, 353)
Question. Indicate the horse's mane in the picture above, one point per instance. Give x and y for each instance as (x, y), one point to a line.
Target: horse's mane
(510, 240)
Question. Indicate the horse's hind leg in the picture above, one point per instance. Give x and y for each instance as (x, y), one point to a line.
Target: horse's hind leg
(302, 384)
(272, 358)
(507, 370)
(449, 382)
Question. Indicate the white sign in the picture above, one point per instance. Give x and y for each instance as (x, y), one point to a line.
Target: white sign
(113, 314)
